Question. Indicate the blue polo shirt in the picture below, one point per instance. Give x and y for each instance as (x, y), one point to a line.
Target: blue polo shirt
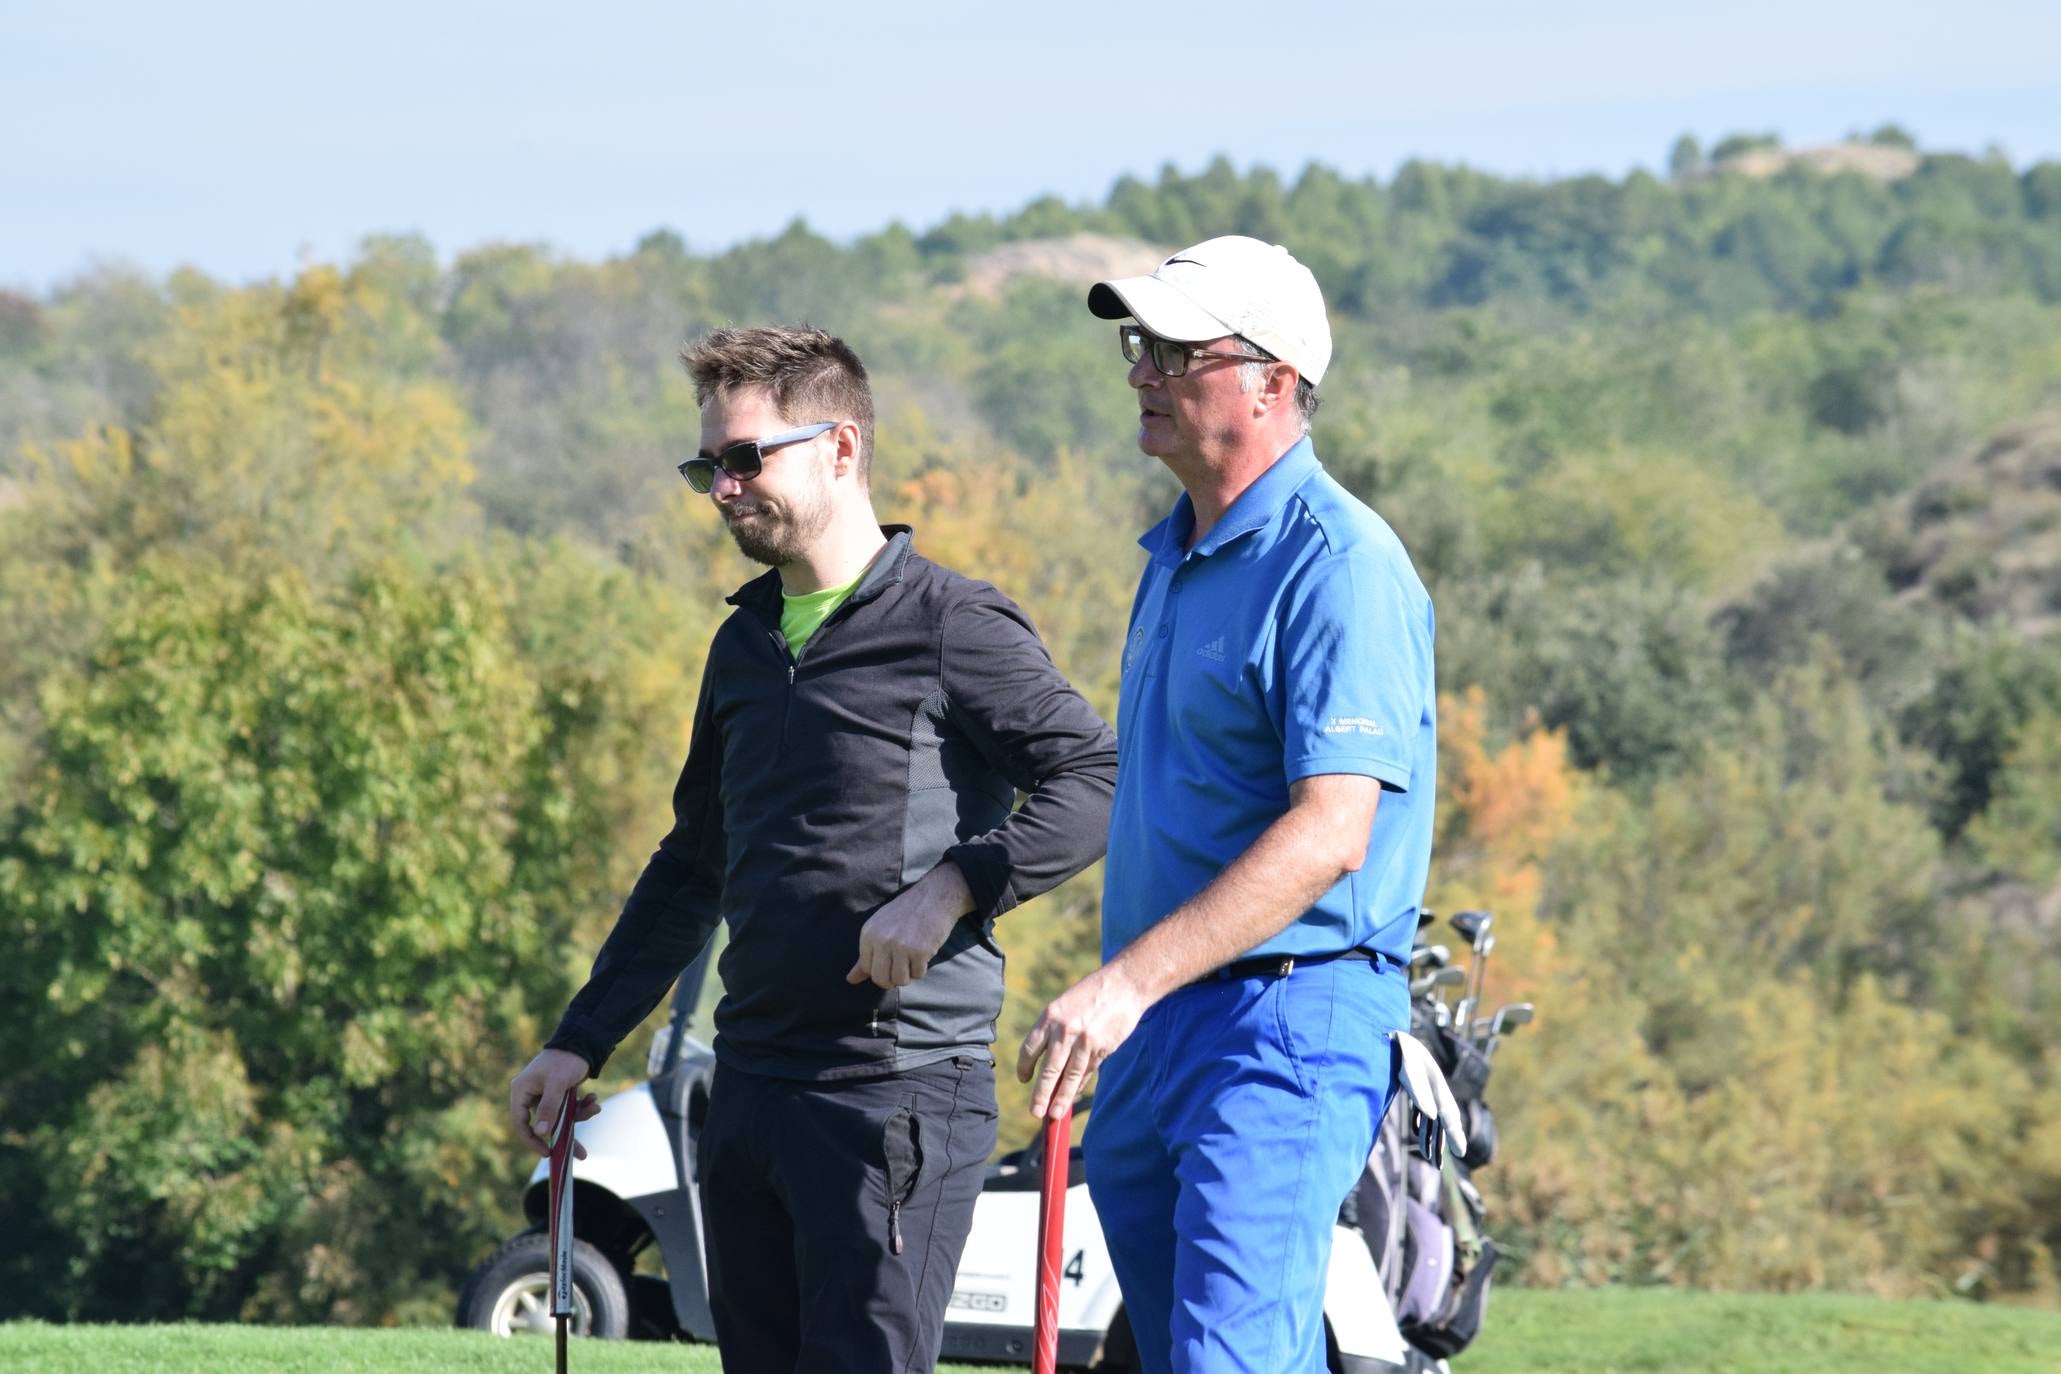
(1294, 639)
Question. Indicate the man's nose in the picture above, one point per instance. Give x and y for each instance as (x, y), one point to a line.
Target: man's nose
(1144, 373)
(724, 487)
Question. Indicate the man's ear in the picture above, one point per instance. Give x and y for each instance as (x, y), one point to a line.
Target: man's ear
(845, 459)
(1277, 391)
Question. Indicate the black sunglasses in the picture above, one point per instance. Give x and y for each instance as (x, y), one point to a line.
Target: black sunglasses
(1169, 356)
(746, 460)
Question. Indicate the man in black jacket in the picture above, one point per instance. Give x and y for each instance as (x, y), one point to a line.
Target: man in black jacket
(866, 719)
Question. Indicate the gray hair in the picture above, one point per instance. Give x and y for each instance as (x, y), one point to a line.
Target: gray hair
(1251, 374)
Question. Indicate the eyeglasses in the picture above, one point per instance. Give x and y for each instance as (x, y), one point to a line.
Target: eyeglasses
(1169, 356)
(745, 461)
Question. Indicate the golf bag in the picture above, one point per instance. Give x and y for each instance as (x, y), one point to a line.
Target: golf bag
(1423, 1222)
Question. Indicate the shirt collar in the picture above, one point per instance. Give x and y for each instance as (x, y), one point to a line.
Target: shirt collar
(762, 593)
(1254, 509)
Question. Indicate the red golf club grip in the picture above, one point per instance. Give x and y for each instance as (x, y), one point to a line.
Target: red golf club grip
(1058, 1159)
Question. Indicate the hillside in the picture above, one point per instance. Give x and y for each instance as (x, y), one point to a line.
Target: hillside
(1071, 259)
(1982, 536)
(1874, 161)
(349, 628)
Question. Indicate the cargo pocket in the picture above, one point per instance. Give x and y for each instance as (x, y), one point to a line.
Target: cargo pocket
(902, 1150)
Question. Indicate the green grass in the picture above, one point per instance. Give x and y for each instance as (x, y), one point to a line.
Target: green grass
(1619, 1331)
(1622, 1330)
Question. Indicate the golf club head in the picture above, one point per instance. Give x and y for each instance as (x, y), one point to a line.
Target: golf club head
(1425, 916)
(1432, 983)
(1472, 925)
(1507, 1019)
(1437, 956)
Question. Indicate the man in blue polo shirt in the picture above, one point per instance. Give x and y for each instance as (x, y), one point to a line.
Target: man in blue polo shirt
(1270, 834)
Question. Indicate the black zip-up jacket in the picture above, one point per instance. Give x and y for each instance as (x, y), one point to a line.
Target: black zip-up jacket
(819, 786)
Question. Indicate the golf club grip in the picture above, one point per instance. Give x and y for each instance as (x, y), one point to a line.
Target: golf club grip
(561, 1200)
(1058, 1158)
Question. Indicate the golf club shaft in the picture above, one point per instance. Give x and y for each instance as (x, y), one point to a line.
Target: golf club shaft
(1058, 1157)
(1488, 947)
(1474, 978)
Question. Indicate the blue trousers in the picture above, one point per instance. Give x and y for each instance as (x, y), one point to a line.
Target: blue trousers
(1225, 1133)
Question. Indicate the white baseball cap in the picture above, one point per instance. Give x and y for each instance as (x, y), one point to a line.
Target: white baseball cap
(1229, 285)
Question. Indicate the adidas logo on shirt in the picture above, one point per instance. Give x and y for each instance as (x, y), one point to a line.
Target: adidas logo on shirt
(1214, 650)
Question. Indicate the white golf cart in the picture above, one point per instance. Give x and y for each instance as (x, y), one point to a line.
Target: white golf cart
(635, 1188)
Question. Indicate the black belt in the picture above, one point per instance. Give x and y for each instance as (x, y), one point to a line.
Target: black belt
(1281, 965)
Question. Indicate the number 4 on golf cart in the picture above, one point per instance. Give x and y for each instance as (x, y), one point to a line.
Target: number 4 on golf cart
(635, 1189)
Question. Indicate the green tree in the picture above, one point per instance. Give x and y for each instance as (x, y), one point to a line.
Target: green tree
(1685, 158)
(1971, 717)
(2019, 832)
(277, 427)
(1731, 145)
(1629, 668)
(290, 890)
(1745, 949)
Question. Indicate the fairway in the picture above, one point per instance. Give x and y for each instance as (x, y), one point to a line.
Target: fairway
(1529, 1332)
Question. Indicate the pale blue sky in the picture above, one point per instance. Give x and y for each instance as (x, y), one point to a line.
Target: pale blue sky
(236, 136)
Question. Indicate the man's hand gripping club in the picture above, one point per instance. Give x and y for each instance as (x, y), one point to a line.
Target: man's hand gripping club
(535, 1093)
(1079, 1029)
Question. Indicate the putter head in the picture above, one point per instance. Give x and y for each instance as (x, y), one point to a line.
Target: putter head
(1472, 925)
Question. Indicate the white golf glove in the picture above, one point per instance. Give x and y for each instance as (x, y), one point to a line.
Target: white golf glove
(1434, 1114)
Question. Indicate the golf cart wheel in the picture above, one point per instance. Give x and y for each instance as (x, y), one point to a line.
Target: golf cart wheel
(510, 1295)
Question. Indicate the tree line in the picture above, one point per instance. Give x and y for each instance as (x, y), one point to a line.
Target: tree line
(349, 630)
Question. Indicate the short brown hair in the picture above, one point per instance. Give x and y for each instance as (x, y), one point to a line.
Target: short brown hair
(811, 375)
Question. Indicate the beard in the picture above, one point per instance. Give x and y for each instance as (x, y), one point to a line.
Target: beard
(778, 532)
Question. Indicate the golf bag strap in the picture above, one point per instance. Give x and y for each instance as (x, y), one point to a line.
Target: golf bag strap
(1459, 1216)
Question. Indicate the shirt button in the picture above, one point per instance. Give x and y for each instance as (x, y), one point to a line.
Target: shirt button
(1162, 632)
